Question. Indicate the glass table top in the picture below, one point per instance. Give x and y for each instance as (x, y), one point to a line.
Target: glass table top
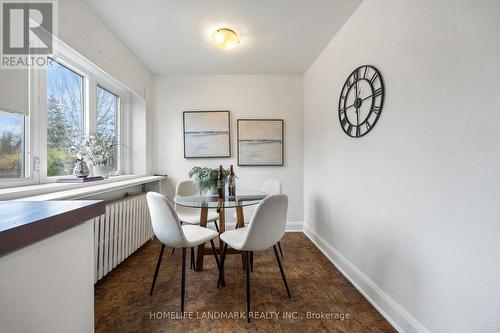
(243, 198)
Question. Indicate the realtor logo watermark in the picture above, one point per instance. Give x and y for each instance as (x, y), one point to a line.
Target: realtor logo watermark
(28, 30)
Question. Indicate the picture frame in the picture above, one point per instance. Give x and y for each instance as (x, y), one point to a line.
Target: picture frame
(260, 142)
(207, 134)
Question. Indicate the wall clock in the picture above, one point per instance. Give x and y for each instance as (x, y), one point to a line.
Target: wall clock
(361, 101)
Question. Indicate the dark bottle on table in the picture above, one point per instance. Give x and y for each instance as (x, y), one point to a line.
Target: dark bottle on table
(220, 183)
(232, 183)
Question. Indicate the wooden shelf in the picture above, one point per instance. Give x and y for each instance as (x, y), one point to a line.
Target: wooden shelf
(24, 223)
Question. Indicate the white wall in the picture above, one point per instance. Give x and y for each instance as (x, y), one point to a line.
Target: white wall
(85, 32)
(411, 211)
(48, 287)
(245, 96)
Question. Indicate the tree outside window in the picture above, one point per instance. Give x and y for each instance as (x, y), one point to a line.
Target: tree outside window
(65, 115)
(107, 110)
(11, 145)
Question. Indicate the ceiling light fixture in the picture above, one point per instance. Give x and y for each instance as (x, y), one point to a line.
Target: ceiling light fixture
(225, 39)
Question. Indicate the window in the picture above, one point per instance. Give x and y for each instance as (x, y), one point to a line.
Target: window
(65, 117)
(11, 145)
(107, 120)
(46, 113)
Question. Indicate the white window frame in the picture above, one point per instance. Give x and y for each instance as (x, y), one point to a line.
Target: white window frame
(36, 122)
(43, 114)
(119, 107)
(30, 177)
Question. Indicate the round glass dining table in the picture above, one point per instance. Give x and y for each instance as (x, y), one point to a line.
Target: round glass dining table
(242, 199)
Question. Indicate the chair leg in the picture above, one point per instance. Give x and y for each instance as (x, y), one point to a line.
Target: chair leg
(248, 285)
(214, 251)
(183, 286)
(281, 270)
(157, 269)
(251, 261)
(216, 226)
(192, 259)
(221, 273)
(281, 252)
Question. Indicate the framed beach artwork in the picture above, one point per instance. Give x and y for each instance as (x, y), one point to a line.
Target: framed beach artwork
(206, 134)
(260, 142)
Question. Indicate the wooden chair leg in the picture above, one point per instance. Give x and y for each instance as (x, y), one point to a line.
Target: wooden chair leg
(157, 269)
(183, 283)
(221, 273)
(214, 251)
(281, 270)
(281, 252)
(248, 285)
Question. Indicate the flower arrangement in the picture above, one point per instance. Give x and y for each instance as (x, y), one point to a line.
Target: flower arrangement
(206, 178)
(97, 149)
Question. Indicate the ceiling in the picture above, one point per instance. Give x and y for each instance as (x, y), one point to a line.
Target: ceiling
(277, 36)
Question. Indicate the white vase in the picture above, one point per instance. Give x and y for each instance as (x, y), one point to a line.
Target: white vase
(100, 170)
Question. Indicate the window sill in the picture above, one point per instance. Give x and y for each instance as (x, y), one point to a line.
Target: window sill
(61, 191)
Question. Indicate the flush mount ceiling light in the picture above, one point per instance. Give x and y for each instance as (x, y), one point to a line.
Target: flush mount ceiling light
(225, 38)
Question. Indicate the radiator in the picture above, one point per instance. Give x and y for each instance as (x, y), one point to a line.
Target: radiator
(119, 232)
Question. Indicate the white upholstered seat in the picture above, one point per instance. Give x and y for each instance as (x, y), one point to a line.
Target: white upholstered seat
(234, 237)
(266, 228)
(270, 187)
(169, 231)
(190, 215)
(196, 235)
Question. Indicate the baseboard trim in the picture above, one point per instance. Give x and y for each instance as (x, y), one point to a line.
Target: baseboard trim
(297, 226)
(396, 315)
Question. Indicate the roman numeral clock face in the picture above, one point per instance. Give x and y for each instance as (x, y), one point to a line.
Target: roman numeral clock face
(361, 101)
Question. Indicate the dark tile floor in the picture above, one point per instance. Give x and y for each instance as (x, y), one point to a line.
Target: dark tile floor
(123, 304)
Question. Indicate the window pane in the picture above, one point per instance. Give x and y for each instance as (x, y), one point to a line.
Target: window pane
(107, 107)
(11, 145)
(64, 117)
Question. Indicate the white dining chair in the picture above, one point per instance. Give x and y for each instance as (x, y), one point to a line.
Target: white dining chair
(270, 187)
(169, 231)
(266, 228)
(187, 215)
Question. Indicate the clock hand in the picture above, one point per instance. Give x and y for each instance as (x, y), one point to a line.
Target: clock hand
(357, 116)
(356, 89)
(350, 106)
(367, 97)
(357, 107)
